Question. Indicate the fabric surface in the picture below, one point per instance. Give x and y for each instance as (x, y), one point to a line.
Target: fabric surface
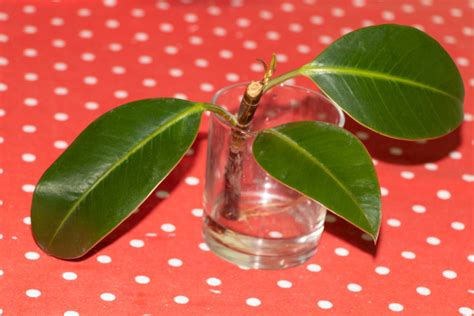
(63, 63)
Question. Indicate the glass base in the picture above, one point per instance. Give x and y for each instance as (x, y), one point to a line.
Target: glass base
(259, 253)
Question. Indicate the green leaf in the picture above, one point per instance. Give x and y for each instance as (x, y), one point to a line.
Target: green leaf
(393, 79)
(327, 164)
(107, 172)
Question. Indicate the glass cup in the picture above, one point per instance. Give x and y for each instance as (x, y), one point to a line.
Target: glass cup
(251, 219)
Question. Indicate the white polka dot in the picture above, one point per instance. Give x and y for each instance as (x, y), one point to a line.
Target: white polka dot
(443, 194)
(162, 194)
(273, 35)
(213, 282)
(313, 267)
(418, 208)
(449, 39)
(449, 274)
(142, 279)
(104, 259)
(468, 31)
(462, 61)
(175, 262)
(382, 270)
(407, 175)
(121, 94)
(180, 299)
(86, 34)
(57, 21)
(83, 12)
(423, 291)
(265, 15)
(434, 241)
(171, 50)
(393, 222)
(162, 5)
(180, 96)
(198, 212)
(137, 243)
(61, 91)
(60, 66)
(207, 87)
(226, 54)
(343, 252)
(71, 313)
(437, 19)
(70, 276)
(88, 57)
(109, 3)
(138, 13)
(191, 18)
(295, 27)
(325, 39)
(284, 284)
(149, 82)
(408, 255)
(33, 293)
(141, 37)
(3, 16)
(90, 105)
(456, 12)
(384, 191)
(191, 181)
(195, 40)
(28, 188)
(431, 166)
(30, 52)
(144, 59)
(275, 234)
(456, 155)
(395, 307)
(243, 22)
(213, 10)
(108, 297)
(115, 47)
(366, 237)
(175, 72)
(325, 304)
(112, 24)
(201, 62)
(169, 228)
(219, 31)
(30, 102)
(31, 255)
(61, 117)
(252, 301)
(354, 287)
(27, 220)
(465, 311)
(60, 144)
(362, 135)
(232, 77)
(395, 151)
(166, 27)
(203, 246)
(29, 9)
(358, 3)
(468, 177)
(28, 157)
(90, 80)
(457, 226)
(58, 43)
(3, 61)
(3, 38)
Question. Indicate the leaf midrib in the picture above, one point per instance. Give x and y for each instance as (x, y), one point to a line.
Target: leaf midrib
(308, 69)
(308, 155)
(198, 107)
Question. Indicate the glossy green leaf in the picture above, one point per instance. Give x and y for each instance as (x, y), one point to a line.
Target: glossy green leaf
(393, 79)
(107, 172)
(327, 164)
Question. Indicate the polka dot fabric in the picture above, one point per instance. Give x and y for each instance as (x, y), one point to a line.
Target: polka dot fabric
(63, 63)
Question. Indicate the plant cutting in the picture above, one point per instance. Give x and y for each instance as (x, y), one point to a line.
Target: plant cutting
(392, 79)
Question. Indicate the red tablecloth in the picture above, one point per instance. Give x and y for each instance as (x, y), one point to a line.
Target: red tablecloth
(63, 63)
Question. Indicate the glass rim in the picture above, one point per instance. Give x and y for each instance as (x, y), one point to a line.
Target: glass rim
(215, 97)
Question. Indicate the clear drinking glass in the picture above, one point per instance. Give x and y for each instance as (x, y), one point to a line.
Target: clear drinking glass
(271, 226)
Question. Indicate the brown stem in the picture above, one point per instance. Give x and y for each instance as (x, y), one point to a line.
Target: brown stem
(233, 169)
